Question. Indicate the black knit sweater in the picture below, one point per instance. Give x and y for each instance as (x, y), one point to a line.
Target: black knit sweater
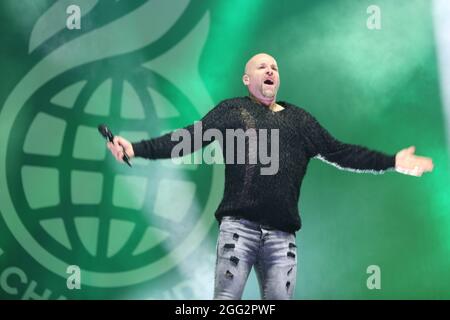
(272, 199)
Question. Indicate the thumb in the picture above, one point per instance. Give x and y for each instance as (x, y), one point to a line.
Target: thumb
(411, 150)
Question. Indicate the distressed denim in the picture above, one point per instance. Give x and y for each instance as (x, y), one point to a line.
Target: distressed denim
(242, 244)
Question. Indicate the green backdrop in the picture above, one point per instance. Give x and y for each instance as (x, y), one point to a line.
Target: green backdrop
(148, 67)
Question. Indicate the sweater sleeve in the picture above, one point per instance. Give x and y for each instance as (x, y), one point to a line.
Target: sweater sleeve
(324, 146)
(163, 147)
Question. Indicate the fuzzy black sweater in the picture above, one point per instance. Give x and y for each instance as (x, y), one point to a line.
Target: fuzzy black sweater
(272, 199)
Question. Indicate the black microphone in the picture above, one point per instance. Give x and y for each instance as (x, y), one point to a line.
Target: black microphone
(106, 133)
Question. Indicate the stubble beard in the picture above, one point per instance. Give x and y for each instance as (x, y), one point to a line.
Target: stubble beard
(268, 93)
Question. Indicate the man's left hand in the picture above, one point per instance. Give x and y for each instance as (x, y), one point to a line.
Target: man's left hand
(407, 162)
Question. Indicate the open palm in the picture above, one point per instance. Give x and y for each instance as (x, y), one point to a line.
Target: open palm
(407, 162)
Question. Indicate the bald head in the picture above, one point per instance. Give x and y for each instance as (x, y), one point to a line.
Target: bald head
(255, 59)
(261, 77)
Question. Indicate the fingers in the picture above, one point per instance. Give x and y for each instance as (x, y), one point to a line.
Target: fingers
(429, 164)
(119, 141)
(417, 168)
(117, 153)
(416, 171)
(425, 163)
(119, 156)
(125, 145)
(116, 148)
(410, 164)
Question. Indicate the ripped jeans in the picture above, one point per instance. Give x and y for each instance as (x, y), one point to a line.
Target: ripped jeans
(240, 245)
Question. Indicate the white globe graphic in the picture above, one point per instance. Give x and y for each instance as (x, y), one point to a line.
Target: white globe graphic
(77, 200)
(68, 202)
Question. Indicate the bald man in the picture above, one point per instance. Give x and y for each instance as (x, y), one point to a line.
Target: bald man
(258, 215)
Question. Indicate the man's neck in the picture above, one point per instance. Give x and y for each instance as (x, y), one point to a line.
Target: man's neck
(273, 106)
(269, 104)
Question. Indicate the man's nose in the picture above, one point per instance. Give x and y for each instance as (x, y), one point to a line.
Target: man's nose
(269, 72)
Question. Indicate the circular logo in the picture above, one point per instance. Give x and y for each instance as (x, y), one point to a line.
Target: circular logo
(67, 201)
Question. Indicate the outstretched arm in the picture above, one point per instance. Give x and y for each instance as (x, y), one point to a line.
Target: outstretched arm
(162, 147)
(322, 145)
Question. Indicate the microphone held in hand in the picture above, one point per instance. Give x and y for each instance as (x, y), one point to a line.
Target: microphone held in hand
(107, 134)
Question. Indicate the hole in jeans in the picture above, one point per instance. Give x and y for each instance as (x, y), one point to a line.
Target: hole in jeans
(289, 271)
(234, 259)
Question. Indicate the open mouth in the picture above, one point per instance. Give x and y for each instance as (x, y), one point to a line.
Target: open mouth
(269, 82)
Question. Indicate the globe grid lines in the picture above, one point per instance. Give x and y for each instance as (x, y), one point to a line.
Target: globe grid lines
(80, 164)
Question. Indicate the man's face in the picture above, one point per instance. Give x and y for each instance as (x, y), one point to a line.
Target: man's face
(261, 77)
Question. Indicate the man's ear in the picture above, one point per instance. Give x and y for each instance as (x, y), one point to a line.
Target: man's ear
(246, 79)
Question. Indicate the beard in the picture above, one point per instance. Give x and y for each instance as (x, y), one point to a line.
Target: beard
(268, 92)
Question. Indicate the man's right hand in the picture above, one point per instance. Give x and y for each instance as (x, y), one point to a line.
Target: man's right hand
(118, 147)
